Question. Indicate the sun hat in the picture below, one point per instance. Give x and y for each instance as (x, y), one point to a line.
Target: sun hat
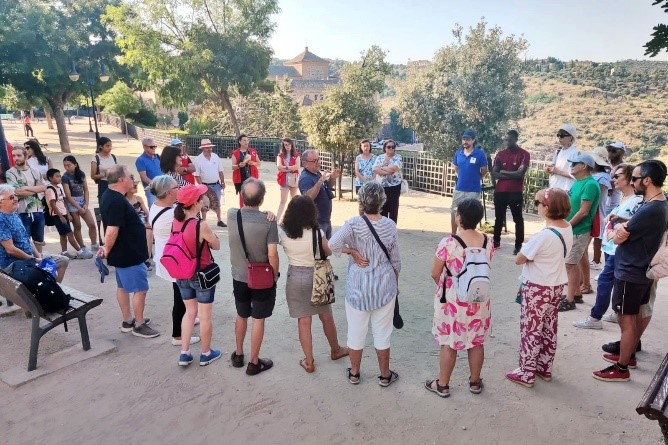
(585, 158)
(600, 155)
(206, 143)
(570, 129)
(189, 194)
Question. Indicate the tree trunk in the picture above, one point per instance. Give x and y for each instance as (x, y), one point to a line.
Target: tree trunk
(227, 104)
(57, 107)
(49, 121)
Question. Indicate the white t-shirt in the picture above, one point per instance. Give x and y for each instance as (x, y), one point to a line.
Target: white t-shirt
(207, 169)
(546, 252)
(161, 231)
(300, 250)
(561, 162)
(105, 163)
(42, 169)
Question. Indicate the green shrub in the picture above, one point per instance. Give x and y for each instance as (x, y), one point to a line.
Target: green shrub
(145, 117)
(542, 98)
(196, 125)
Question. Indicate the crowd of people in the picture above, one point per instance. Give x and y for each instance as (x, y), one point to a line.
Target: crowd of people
(591, 195)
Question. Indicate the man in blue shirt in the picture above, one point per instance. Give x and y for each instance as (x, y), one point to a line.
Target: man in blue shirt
(470, 167)
(318, 186)
(148, 167)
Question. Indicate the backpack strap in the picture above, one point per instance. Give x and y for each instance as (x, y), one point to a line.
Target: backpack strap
(561, 238)
(158, 216)
(463, 244)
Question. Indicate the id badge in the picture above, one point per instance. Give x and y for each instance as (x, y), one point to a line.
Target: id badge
(472, 160)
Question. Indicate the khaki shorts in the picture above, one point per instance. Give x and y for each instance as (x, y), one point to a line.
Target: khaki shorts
(458, 197)
(647, 309)
(580, 244)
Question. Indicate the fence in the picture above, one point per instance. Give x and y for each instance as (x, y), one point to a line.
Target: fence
(420, 169)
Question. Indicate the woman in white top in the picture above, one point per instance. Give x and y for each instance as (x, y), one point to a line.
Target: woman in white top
(37, 159)
(543, 279)
(160, 217)
(296, 237)
(103, 160)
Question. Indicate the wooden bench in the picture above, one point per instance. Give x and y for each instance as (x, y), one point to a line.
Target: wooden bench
(80, 304)
(654, 404)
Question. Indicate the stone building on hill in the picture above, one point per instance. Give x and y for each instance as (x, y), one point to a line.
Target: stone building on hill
(308, 75)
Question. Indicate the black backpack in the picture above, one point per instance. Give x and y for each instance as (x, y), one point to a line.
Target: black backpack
(49, 219)
(42, 285)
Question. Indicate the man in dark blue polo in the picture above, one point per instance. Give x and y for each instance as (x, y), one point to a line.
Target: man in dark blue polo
(470, 163)
(318, 186)
(148, 167)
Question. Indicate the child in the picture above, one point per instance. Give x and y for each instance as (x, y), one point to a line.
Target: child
(55, 197)
(139, 206)
(76, 198)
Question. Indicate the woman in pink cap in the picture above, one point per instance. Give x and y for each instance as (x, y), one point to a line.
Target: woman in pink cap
(189, 202)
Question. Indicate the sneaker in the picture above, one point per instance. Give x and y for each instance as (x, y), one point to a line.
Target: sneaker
(84, 254)
(237, 360)
(221, 224)
(546, 376)
(595, 266)
(613, 347)
(143, 330)
(611, 317)
(516, 378)
(213, 355)
(193, 340)
(69, 255)
(614, 358)
(185, 359)
(127, 327)
(612, 374)
(588, 323)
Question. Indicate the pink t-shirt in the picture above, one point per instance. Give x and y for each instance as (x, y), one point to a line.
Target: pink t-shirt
(189, 237)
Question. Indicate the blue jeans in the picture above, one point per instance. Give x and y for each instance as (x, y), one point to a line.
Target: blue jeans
(606, 279)
(150, 197)
(34, 225)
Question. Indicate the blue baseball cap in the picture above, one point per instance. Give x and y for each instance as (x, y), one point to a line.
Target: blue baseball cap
(584, 158)
(469, 134)
(102, 268)
(176, 141)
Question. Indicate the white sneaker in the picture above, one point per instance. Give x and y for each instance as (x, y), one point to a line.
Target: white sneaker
(588, 323)
(610, 317)
(84, 254)
(69, 255)
(194, 339)
(595, 266)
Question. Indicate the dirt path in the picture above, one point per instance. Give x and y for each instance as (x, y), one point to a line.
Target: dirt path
(138, 394)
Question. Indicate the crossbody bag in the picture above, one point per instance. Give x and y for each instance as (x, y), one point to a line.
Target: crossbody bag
(259, 275)
(323, 274)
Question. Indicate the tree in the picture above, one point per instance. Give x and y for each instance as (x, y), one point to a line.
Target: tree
(197, 50)
(397, 131)
(474, 83)
(349, 111)
(40, 39)
(120, 100)
(659, 39)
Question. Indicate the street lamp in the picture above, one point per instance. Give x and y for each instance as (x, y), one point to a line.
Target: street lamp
(104, 76)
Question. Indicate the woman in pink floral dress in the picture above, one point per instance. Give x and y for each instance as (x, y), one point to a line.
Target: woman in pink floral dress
(458, 325)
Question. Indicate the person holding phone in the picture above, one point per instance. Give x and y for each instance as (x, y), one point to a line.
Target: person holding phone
(318, 186)
(559, 169)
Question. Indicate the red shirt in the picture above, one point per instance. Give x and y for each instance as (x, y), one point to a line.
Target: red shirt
(511, 160)
(188, 177)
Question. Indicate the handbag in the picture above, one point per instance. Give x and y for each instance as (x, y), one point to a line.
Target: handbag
(210, 275)
(397, 321)
(323, 275)
(404, 187)
(292, 179)
(259, 275)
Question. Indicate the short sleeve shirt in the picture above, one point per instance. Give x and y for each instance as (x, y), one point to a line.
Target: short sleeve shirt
(11, 228)
(585, 189)
(468, 166)
(511, 160)
(26, 178)
(55, 191)
(365, 167)
(323, 202)
(389, 180)
(258, 233)
(207, 169)
(130, 247)
(560, 160)
(76, 187)
(151, 166)
(545, 252)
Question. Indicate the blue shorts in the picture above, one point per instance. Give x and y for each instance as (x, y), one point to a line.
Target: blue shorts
(132, 279)
(79, 200)
(191, 289)
(63, 228)
(34, 225)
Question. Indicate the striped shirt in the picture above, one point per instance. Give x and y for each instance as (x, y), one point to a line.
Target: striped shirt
(369, 288)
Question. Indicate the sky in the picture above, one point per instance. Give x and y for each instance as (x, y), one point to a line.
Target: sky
(597, 30)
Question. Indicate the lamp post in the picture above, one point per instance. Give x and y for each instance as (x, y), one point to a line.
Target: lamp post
(104, 76)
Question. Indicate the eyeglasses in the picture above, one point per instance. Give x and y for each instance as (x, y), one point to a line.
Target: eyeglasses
(312, 160)
(562, 135)
(635, 178)
(151, 146)
(537, 203)
(391, 147)
(11, 197)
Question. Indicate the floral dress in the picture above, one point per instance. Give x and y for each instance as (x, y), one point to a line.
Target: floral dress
(457, 324)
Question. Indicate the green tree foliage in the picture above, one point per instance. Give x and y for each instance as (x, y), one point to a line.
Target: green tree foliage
(659, 39)
(473, 83)
(40, 39)
(397, 131)
(146, 117)
(194, 50)
(349, 111)
(120, 100)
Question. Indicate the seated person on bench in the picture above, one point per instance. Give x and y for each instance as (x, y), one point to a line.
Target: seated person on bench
(15, 244)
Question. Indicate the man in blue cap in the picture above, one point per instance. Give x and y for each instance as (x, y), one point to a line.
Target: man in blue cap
(470, 167)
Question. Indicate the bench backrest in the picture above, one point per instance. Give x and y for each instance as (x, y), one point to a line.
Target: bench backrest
(16, 292)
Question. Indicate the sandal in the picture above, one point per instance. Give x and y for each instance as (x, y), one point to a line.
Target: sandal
(475, 387)
(586, 290)
(353, 378)
(263, 364)
(441, 391)
(578, 299)
(387, 381)
(565, 305)
(307, 367)
(339, 353)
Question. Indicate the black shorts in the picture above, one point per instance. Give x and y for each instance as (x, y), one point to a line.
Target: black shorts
(256, 303)
(627, 297)
(63, 228)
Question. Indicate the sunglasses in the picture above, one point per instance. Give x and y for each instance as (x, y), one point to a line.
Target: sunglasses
(562, 135)
(152, 146)
(635, 178)
(312, 160)
(537, 203)
(391, 147)
(617, 176)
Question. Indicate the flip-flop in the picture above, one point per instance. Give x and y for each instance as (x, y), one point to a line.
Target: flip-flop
(308, 368)
(441, 391)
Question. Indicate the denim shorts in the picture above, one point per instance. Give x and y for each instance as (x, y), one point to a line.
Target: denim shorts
(132, 279)
(63, 228)
(79, 200)
(191, 289)
(34, 225)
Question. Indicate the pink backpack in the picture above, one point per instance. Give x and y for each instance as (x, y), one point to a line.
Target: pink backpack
(176, 257)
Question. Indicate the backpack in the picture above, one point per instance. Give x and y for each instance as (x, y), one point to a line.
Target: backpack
(97, 161)
(658, 267)
(42, 285)
(49, 218)
(176, 257)
(472, 284)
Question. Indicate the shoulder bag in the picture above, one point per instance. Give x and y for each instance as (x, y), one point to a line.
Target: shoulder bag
(397, 321)
(323, 275)
(260, 275)
(210, 275)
